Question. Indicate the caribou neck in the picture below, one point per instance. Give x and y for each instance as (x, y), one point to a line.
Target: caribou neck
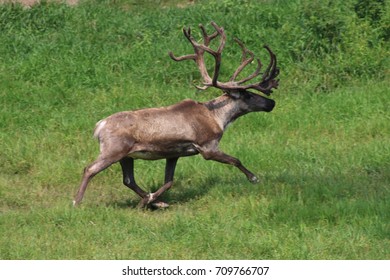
(225, 109)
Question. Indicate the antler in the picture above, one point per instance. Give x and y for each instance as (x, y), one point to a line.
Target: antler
(199, 49)
(265, 85)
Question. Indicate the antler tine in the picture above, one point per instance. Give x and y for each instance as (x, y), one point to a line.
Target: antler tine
(187, 34)
(183, 57)
(254, 74)
(218, 53)
(244, 62)
(219, 31)
(199, 50)
(267, 75)
(267, 80)
(207, 38)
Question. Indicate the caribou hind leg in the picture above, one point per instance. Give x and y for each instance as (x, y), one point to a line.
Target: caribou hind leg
(110, 152)
(89, 172)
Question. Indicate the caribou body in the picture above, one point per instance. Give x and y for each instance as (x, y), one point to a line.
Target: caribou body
(183, 129)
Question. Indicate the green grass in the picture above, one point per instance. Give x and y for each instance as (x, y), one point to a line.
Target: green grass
(323, 154)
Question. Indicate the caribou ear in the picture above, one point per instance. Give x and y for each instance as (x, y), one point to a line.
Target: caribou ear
(236, 94)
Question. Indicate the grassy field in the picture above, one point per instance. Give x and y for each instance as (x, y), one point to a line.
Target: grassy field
(323, 154)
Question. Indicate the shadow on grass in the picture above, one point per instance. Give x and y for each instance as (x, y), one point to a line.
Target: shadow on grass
(181, 192)
(307, 189)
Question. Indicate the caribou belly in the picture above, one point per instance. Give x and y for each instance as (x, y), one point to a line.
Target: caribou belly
(183, 150)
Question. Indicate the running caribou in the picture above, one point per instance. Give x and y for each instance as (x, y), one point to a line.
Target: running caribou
(188, 127)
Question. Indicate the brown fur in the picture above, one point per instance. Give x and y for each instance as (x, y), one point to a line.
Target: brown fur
(183, 129)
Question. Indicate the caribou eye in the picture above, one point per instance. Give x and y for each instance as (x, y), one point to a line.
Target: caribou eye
(248, 96)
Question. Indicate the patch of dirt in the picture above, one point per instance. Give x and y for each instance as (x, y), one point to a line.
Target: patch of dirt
(29, 3)
(184, 4)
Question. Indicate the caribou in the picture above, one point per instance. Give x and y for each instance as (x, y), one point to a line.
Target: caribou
(188, 127)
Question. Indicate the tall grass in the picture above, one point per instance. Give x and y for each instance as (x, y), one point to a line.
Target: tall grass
(323, 154)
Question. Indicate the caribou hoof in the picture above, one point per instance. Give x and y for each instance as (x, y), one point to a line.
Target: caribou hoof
(159, 205)
(149, 201)
(254, 180)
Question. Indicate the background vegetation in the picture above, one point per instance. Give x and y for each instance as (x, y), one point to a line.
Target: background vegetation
(323, 154)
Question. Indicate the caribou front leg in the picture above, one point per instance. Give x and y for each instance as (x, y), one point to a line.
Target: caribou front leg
(127, 165)
(211, 152)
(151, 198)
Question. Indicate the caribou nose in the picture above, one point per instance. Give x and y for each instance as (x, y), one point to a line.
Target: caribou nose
(270, 105)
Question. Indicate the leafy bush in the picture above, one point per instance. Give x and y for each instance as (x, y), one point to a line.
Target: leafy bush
(326, 43)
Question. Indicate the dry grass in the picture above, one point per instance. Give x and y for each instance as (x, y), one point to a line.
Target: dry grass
(30, 3)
